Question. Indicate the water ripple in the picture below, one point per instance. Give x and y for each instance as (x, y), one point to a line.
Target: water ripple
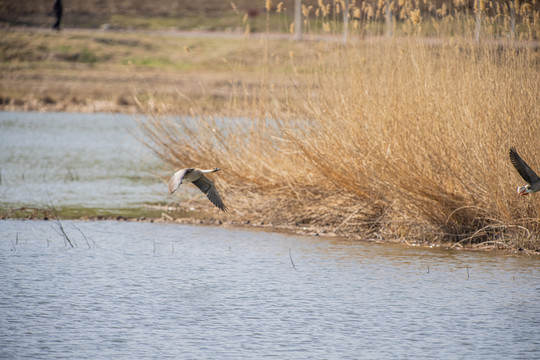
(171, 291)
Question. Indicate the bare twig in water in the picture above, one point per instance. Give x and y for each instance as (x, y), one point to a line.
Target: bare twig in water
(428, 269)
(154, 247)
(13, 245)
(467, 272)
(59, 223)
(70, 176)
(62, 232)
(290, 257)
(84, 236)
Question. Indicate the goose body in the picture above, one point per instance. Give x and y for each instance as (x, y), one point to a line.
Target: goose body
(196, 176)
(526, 173)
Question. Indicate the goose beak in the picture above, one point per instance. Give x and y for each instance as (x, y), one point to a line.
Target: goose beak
(522, 191)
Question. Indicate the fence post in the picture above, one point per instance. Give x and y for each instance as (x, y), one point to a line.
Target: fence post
(346, 22)
(389, 18)
(512, 20)
(298, 19)
(478, 10)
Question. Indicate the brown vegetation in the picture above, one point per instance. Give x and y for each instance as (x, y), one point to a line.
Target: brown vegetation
(393, 141)
(388, 140)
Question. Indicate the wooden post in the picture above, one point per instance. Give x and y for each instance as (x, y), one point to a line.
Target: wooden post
(389, 18)
(298, 19)
(512, 20)
(478, 9)
(345, 21)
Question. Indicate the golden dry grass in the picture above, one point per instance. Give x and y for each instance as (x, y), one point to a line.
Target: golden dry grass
(389, 140)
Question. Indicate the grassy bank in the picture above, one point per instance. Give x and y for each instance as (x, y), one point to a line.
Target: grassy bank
(72, 212)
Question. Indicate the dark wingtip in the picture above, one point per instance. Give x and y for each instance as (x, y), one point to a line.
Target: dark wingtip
(513, 153)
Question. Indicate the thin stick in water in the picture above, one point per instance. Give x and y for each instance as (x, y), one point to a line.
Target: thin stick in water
(62, 232)
(59, 223)
(84, 236)
(290, 257)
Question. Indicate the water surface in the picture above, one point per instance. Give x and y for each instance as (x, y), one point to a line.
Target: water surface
(75, 160)
(168, 291)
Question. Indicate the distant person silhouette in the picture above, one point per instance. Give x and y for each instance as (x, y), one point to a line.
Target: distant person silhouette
(58, 11)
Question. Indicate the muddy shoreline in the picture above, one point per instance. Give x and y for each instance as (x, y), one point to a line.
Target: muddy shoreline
(206, 217)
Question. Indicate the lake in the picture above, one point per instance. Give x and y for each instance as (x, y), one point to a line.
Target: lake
(140, 290)
(75, 160)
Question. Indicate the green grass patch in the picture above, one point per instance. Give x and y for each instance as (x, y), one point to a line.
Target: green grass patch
(149, 62)
(74, 212)
(228, 20)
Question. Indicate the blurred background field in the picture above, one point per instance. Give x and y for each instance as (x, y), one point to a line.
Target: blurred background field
(134, 14)
(110, 51)
(367, 17)
(80, 70)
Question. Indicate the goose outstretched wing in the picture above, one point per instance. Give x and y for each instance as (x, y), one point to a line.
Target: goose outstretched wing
(522, 168)
(176, 180)
(207, 186)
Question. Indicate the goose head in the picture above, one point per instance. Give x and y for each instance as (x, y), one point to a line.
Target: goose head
(523, 190)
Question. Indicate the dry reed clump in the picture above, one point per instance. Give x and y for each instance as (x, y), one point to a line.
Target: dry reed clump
(392, 140)
(426, 131)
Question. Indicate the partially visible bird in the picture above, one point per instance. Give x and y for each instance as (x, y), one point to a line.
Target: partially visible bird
(526, 173)
(196, 176)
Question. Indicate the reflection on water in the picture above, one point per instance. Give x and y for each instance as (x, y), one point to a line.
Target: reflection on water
(147, 291)
(88, 160)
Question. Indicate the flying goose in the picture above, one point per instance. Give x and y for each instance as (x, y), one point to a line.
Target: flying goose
(526, 173)
(196, 176)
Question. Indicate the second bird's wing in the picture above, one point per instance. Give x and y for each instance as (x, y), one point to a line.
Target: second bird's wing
(522, 168)
(207, 186)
